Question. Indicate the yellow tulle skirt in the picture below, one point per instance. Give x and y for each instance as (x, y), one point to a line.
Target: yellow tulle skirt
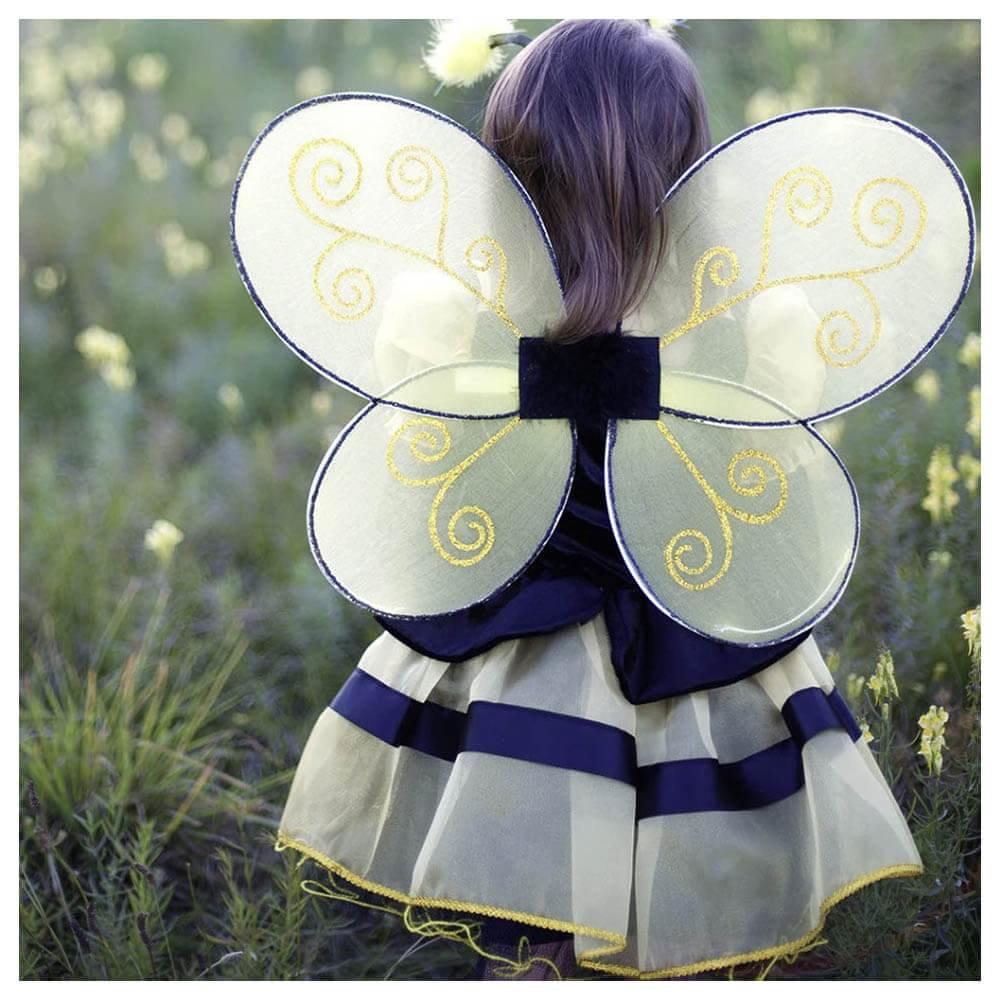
(745, 826)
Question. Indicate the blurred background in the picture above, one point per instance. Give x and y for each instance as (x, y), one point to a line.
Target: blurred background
(176, 637)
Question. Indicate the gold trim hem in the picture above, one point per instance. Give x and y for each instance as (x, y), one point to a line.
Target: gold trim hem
(615, 942)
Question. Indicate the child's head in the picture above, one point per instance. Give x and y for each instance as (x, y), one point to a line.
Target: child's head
(598, 119)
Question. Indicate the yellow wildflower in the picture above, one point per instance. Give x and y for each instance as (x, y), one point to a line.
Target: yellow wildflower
(833, 431)
(970, 469)
(117, 375)
(866, 732)
(381, 62)
(970, 353)
(973, 427)
(939, 560)
(855, 685)
(972, 630)
(932, 742)
(148, 159)
(162, 538)
(357, 32)
(193, 151)
(460, 52)
(183, 255)
(313, 81)
(321, 403)
(100, 346)
(174, 129)
(832, 661)
(48, 278)
(104, 110)
(148, 70)
(882, 683)
(231, 397)
(763, 104)
(928, 387)
(941, 499)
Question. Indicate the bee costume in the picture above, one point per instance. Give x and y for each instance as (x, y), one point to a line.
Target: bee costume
(596, 709)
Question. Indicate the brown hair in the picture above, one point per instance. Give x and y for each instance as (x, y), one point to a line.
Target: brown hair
(597, 119)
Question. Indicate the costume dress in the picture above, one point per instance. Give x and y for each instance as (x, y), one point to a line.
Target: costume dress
(596, 710)
(676, 804)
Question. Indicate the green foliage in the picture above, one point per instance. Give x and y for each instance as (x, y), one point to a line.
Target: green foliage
(165, 698)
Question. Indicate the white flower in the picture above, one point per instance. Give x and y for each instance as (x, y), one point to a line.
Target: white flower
(162, 538)
(460, 52)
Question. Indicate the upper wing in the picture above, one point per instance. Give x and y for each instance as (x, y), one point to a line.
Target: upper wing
(813, 259)
(381, 240)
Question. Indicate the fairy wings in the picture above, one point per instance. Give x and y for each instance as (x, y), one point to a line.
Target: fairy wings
(812, 260)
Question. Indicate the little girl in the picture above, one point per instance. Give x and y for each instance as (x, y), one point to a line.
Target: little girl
(564, 761)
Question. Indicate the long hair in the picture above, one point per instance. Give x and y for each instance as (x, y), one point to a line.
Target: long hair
(597, 119)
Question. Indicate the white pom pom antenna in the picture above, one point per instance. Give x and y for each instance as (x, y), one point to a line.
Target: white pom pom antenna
(465, 50)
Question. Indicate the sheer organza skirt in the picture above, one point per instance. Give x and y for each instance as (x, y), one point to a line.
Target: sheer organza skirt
(668, 838)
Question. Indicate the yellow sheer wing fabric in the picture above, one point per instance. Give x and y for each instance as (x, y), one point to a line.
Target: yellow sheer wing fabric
(399, 257)
(812, 261)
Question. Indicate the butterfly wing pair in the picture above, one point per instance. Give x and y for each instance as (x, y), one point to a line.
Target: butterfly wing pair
(811, 262)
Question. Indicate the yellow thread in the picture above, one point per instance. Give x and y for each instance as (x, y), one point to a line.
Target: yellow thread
(469, 934)
(617, 942)
(407, 186)
(673, 554)
(482, 526)
(808, 211)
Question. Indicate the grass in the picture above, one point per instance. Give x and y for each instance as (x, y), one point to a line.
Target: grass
(164, 701)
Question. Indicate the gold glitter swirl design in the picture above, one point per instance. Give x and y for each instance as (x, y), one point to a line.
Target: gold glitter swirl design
(879, 218)
(749, 474)
(483, 255)
(326, 174)
(840, 338)
(347, 294)
(808, 197)
(430, 441)
(878, 209)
